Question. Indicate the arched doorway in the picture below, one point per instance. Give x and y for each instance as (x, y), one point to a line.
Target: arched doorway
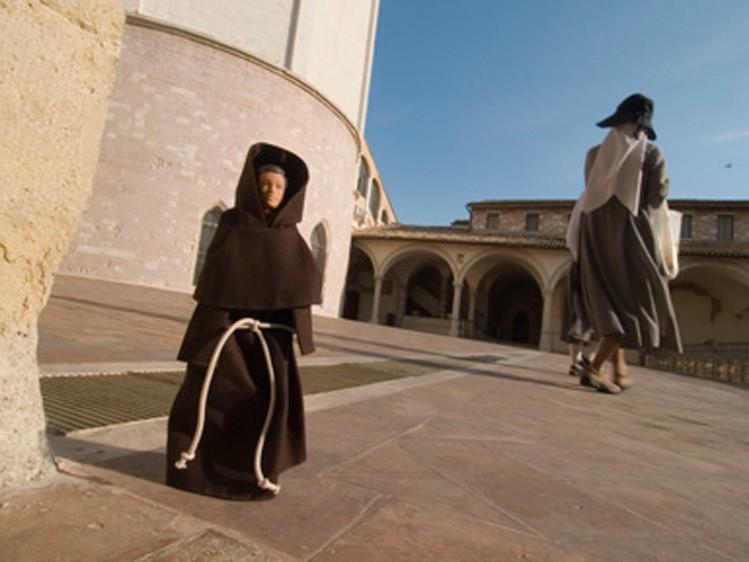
(514, 306)
(712, 309)
(428, 294)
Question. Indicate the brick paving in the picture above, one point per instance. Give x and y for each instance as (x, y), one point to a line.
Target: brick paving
(496, 456)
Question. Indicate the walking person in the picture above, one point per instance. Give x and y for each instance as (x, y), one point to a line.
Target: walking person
(576, 331)
(237, 421)
(580, 338)
(625, 253)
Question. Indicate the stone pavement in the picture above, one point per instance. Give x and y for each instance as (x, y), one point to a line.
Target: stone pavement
(502, 458)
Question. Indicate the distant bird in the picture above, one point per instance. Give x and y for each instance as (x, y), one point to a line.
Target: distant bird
(729, 165)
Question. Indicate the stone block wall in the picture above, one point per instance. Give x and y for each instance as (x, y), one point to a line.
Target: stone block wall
(182, 115)
(705, 223)
(57, 65)
(741, 226)
(552, 221)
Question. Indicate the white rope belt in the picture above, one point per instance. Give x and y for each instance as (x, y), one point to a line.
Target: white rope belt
(257, 327)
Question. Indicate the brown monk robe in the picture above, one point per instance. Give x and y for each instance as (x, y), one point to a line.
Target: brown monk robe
(257, 266)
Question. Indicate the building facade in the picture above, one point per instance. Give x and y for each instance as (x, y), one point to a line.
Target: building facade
(197, 84)
(501, 274)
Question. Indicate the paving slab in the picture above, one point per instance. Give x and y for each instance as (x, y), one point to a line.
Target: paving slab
(515, 461)
(81, 519)
(503, 458)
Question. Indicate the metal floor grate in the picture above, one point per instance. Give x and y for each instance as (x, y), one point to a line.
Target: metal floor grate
(79, 402)
(75, 402)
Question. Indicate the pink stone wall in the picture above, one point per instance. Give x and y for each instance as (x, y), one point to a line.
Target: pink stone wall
(181, 117)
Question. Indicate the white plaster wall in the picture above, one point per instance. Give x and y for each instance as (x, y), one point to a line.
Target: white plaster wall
(259, 27)
(330, 47)
(333, 51)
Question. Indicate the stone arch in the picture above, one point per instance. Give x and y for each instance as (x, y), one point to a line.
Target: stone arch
(417, 288)
(484, 259)
(559, 275)
(413, 250)
(507, 297)
(711, 302)
(512, 294)
(734, 271)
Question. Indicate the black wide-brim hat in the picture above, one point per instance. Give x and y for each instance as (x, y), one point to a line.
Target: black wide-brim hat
(637, 109)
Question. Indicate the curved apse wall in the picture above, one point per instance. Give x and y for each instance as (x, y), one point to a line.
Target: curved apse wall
(183, 112)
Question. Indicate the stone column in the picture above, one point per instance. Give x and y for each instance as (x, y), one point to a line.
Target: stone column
(57, 60)
(376, 300)
(455, 319)
(471, 312)
(545, 343)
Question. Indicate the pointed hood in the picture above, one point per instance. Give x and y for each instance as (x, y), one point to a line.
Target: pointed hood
(257, 261)
(297, 176)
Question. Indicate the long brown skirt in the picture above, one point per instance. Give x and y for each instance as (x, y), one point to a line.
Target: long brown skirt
(236, 410)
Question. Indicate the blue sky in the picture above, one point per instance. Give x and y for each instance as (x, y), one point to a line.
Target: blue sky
(498, 99)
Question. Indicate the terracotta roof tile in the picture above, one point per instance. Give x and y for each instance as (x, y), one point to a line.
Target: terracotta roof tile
(710, 248)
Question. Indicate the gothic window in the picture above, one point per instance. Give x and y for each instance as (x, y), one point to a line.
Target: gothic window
(374, 200)
(319, 243)
(361, 185)
(207, 229)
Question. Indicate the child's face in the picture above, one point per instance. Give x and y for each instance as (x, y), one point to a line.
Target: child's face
(272, 187)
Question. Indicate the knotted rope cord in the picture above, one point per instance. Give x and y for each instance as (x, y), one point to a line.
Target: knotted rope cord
(257, 327)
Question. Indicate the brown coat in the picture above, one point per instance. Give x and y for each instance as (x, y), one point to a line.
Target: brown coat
(257, 266)
(259, 262)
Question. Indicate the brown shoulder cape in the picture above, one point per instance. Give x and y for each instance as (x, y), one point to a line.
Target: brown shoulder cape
(261, 262)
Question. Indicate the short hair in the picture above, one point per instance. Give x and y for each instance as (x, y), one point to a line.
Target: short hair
(275, 168)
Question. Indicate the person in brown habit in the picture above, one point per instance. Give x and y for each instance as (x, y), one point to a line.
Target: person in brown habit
(237, 421)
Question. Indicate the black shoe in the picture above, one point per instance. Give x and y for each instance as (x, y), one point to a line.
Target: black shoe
(579, 367)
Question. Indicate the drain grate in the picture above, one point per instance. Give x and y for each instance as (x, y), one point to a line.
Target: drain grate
(72, 403)
(79, 402)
